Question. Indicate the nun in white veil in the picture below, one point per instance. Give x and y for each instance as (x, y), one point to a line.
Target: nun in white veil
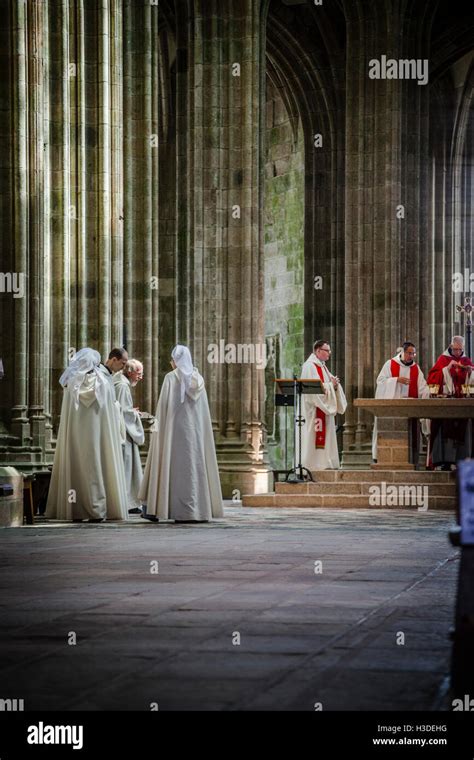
(181, 479)
(88, 478)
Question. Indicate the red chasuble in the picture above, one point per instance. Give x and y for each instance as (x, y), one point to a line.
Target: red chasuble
(414, 370)
(320, 441)
(458, 374)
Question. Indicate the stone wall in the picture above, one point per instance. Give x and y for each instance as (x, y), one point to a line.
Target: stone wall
(284, 264)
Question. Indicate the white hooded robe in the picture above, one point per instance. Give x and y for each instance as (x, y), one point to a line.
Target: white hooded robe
(88, 479)
(181, 478)
(134, 437)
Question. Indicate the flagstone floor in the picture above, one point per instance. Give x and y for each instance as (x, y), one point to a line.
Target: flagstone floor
(261, 610)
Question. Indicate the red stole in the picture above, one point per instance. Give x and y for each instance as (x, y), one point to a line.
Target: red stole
(320, 441)
(458, 374)
(414, 370)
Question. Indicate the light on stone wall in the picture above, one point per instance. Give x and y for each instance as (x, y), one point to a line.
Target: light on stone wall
(2, 372)
(261, 482)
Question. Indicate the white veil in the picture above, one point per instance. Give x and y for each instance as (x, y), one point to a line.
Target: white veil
(81, 363)
(181, 356)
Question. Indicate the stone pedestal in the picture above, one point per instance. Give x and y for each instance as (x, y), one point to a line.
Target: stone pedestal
(393, 449)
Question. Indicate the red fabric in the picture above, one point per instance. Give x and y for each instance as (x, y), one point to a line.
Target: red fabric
(414, 372)
(458, 374)
(320, 440)
(436, 377)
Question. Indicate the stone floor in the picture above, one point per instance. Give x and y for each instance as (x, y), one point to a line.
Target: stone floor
(328, 635)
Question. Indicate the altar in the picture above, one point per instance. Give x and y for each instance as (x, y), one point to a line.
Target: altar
(397, 443)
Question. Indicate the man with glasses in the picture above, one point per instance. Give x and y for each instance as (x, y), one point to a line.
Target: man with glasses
(318, 434)
(400, 377)
(450, 439)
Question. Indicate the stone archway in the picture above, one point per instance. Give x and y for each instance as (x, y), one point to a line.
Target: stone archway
(305, 65)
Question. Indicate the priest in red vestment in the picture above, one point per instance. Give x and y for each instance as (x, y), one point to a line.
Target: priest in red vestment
(400, 377)
(450, 439)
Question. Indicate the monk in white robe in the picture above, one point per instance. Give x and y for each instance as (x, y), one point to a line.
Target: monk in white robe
(181, 478)
(318, 435)
(400, 377)
(134, 434)
(88, 479)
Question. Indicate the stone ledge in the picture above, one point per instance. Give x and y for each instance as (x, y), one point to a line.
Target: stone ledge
(343, 501)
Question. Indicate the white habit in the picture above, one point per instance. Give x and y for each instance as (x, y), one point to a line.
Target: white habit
(181, 478)
(388, 387)
(88, 480)
(332, 402)
(134, 437)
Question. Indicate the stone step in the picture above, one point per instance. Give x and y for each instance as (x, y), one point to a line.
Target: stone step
(389, 476)
(358, 453)
(344, 501)
(356, 459)
(353, 489)
(334, 488)
(357, 464)
(361, 487)
(361, 466)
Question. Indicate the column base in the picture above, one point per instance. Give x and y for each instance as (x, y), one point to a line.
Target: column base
(239, 471)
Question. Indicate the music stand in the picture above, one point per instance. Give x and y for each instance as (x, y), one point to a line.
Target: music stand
(296, 388)
(285, 400)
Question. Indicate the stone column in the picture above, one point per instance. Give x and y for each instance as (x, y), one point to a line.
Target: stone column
(20, 425)
(7, 302)
(220, 55)
(140, 150)
(439, 224)
(386, 198)
(80, 335)
(64, 75)
(116, 170)
(103, 239)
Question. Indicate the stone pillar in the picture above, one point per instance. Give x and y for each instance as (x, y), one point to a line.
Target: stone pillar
(116, 170)
(103, 239)
(37, 74)
(140, 152)
(8, 109)
(80, 333)
(219, 248)
(20, 425)
(64, 202)
(439, 224)
(386, 199)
